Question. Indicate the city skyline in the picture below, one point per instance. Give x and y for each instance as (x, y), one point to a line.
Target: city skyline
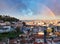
(31, 9)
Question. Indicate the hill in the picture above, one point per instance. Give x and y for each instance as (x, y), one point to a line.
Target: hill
(8, 18)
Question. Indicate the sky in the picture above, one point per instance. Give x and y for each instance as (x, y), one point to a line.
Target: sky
(31, 9)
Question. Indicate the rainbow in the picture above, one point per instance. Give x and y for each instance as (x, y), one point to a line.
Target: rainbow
(47, 12)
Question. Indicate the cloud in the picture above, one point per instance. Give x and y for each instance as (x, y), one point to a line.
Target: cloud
(28, 7)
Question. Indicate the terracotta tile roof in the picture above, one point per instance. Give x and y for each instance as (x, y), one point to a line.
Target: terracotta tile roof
(1, 42)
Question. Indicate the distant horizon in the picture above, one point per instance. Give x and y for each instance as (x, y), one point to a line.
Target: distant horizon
(31, 19)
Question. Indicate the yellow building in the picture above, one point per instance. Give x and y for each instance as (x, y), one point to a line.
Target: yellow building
(49, 30)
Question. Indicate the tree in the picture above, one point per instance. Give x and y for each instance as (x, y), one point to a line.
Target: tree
(17, 29)
(8, 18)
(52, 29)
(24, 24)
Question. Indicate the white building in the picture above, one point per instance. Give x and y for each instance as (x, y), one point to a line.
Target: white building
(5, 29)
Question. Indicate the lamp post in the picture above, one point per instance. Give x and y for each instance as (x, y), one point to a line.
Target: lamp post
(45, 33)
(51, 39)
